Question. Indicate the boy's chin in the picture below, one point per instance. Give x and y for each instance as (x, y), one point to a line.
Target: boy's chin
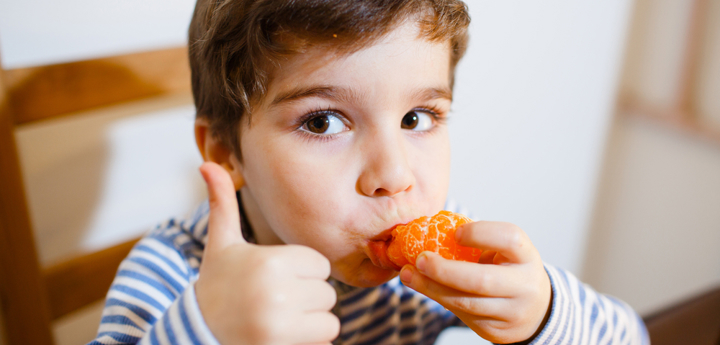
(368, 275)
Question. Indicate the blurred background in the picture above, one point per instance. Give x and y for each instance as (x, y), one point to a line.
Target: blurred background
(594, 126)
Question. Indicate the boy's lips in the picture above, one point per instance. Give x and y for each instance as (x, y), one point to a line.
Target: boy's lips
(377, 250)
(377, 246)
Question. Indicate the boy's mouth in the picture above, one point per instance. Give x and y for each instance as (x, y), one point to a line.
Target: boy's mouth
(377, 251)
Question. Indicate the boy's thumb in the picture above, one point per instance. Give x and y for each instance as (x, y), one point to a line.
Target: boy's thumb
(224, 218)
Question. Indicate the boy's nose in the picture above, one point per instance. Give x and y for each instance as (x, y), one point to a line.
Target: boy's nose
(387, 169)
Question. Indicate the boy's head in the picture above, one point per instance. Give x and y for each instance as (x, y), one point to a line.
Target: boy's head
(330, 114)
(236, 46)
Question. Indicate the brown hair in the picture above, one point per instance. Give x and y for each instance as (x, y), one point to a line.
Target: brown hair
(235, 44)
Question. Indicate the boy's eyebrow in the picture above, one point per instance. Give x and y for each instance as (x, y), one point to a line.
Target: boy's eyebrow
(433, 93)
(330, 92)
(347, 95)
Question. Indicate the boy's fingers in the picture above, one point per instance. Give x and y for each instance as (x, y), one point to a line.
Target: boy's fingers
(487, 257)
(315, 327)
(224, 219)
(470, 277)
(307, 262)
(314, 295)
(505, 238)
(452, 299)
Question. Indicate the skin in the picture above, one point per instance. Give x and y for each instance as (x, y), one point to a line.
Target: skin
(315, 201)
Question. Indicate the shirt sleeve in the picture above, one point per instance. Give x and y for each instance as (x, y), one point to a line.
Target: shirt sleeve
(152, 299)
(580, 315)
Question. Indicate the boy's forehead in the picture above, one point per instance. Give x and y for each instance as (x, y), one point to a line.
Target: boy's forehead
(419, 68)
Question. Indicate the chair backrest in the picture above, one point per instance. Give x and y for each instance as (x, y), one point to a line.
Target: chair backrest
(695, 321)
(33, 296)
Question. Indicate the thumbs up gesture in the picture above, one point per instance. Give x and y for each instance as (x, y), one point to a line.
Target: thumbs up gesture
(252, 294)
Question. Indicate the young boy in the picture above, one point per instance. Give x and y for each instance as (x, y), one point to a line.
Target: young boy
(328, 119)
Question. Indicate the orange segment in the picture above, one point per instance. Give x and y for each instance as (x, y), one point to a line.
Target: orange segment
(435, 234)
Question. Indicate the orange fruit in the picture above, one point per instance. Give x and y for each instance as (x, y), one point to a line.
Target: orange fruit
(435, 234)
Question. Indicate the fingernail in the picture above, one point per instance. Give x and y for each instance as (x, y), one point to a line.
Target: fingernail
(420, 262)
(458, 233)
(406, 274)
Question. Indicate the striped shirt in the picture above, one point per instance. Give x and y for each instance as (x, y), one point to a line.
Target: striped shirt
(152, 301)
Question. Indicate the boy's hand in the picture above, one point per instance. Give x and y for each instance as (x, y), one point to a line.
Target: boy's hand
(250, 294)
(505, 298)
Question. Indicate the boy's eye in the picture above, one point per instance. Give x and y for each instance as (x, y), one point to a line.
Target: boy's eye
(324, 124)
(417, 120)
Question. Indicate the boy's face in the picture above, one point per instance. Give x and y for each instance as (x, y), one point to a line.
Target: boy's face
(344, 147)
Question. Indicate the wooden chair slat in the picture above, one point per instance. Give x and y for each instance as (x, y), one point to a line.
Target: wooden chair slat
(24, 300)
(78, 282)
(44, 92)
(696, 321)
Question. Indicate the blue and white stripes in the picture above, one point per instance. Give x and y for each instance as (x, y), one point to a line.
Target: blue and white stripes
(582, 316)
(152, 301)
(390, 314)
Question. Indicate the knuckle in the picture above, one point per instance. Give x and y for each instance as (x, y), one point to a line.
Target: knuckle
(499, 330)
(471, 231)
(324, 297)
(263, 329)
(271, 296)
(331, 295)
(311, 257)
(271, 264)
(515, 237)
(323, 265)
(483, 283)
(466, 228)
(276, 299)
(464, 303)
(303, 251)
(419, 282)
(274, 325)
(332, 326)
(320, 259)
(526, 317)
(335, 327)
(431, 266)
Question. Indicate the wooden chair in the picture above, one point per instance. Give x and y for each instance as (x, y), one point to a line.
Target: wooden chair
(33, 296)
(694, 321)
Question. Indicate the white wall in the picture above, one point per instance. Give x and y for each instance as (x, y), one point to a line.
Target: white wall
(39, 32)
(534, 98)
(533, 102)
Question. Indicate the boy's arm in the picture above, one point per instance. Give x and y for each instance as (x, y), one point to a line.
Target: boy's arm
(152, 299)
(580, 315)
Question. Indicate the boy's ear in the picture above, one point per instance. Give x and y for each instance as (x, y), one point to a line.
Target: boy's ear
(214, 150)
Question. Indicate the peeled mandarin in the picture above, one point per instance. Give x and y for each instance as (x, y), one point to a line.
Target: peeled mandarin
(435, 234)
